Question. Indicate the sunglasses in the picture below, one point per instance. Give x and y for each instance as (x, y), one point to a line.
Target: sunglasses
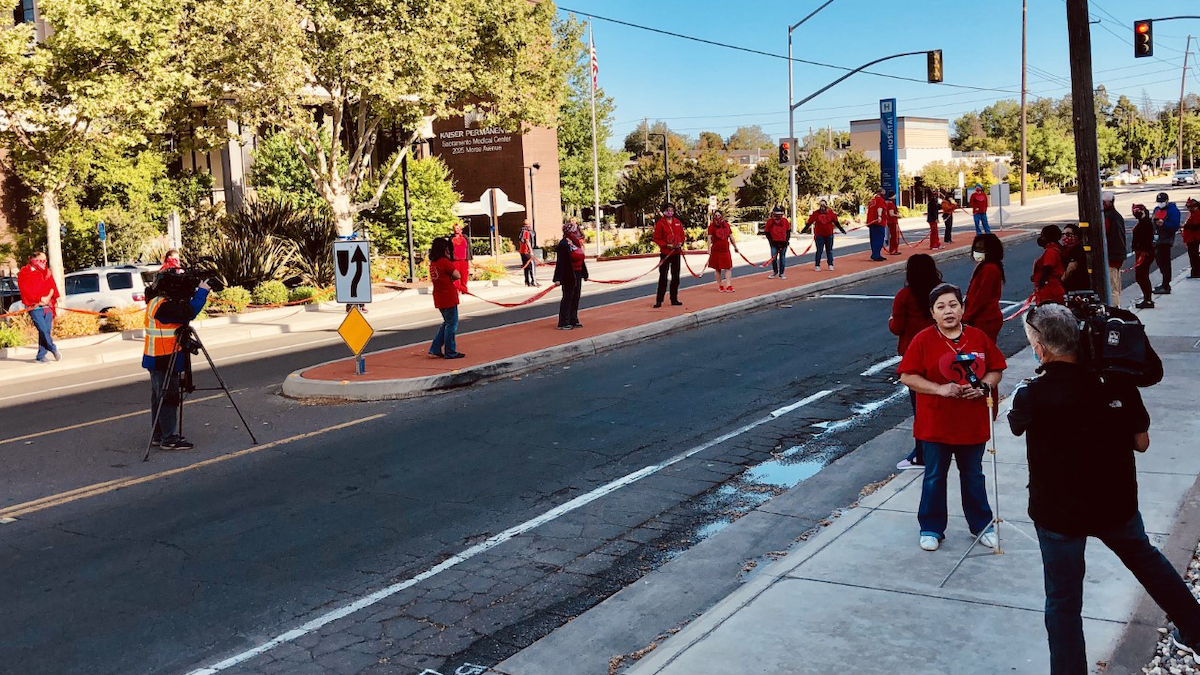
(1029, 319)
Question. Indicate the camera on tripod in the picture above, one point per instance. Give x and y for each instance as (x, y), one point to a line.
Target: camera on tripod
(181, 284)
(1113, 342)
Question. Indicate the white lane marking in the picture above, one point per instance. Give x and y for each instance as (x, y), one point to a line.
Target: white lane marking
(1011, 309)
(861, 412)
(882, 365)
(494, 541)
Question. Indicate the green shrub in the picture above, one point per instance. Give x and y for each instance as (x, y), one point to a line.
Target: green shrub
(270, 293)
(302, 294)
(695, 233)
(234, 299)
(12, 336)
(487, 270)
(253, 246)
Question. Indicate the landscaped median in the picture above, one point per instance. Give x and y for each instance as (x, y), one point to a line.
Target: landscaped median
(504, 351)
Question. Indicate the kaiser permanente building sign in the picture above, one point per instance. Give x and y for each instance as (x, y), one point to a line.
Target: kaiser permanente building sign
(474, 140)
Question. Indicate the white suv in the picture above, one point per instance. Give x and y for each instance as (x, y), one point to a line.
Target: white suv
(1185, 177)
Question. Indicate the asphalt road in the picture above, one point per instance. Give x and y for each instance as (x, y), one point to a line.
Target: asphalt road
(183, 570)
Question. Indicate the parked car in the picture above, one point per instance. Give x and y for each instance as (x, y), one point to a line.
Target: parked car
(1185, 177)
(100, 289)
(9, 293)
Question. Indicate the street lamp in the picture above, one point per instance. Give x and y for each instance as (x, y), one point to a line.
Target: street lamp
(532, 209)
(792, 115)
(666, 164)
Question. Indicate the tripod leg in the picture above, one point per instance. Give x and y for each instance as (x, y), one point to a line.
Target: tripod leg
(162, 396)
(224, 388)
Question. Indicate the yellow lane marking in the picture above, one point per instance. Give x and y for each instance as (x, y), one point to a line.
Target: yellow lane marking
(86, 492)
(105, 420)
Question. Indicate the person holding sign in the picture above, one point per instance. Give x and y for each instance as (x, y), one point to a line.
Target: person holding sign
(446, 278)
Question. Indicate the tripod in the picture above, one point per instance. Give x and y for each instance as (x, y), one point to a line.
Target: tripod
(187, 342)
(996, 518)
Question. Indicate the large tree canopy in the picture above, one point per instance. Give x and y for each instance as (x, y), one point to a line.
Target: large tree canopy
(349, 71)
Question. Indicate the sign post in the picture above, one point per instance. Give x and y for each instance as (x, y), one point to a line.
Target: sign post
(103, 234)
(352, 281)
(889, 162)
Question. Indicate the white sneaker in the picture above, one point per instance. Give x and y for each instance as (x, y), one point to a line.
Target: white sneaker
(929, 543)
(817, 268)
(830, 267)
(988, 539)
(782, 276)
(908, 464)
(773, 275)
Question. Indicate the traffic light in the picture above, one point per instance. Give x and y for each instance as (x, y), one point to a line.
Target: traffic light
(786, 156)
(1143, 38)
(934, 61)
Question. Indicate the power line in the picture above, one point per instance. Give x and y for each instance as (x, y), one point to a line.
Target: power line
(759, 52)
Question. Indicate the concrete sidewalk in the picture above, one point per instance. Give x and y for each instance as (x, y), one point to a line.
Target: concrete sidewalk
(862, 597)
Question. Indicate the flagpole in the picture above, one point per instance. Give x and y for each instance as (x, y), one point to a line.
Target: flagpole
(595, 154)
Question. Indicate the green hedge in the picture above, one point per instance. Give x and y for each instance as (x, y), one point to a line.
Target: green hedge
(269, 293)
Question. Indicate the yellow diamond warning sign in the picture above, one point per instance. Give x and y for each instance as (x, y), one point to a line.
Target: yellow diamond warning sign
(355, 331)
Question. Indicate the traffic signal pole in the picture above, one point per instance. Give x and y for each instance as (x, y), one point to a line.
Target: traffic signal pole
(1087, 157)
(792, 118)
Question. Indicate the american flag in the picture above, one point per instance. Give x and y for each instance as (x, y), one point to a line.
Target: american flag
(595, 64)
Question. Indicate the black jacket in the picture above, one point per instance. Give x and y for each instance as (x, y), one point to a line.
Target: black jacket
(1142, 240)
(564, 273)
(1079, 440)
(1114, 233)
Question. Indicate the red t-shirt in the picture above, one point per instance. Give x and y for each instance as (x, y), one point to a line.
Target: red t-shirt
(1053, 291)
(954, 421)
(909, 317)
(668, 234)
(36, 284)
(892, 215)
(445, 289)
(876, 211)
(577, 257)
(823, 223)
(526, 240)
(777, 229)
(1191, 227)
(983, 296)
(979, 202)
(720, 236)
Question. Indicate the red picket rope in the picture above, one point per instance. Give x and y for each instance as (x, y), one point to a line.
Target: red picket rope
(1024, 307)
(689, 268)
(17, 313)
(527, 301)
(752, 264)
(626, 281)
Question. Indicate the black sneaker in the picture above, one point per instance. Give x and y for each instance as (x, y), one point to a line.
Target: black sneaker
(576, 325)
(657, 305)
(676, 303)
(1145, 304)
(1178, 643)
(1162, 290)
(456, 355)
(178, 444)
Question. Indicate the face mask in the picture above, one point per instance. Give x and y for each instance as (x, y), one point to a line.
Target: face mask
(1037, 358)
(39, 265)
(977, 255)
(1069, 240)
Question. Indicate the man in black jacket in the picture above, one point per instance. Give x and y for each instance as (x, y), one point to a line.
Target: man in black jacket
(1115, 245)
(1083, 482)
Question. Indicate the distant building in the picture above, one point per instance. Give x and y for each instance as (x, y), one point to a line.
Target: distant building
(919, 141)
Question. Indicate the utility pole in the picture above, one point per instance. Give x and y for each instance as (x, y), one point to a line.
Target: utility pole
(1182, 87)
(792, 114)
(1024, 88)
(1087, 155)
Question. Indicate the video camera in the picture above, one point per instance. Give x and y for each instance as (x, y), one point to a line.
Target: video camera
(1113, 342)
(181, 284)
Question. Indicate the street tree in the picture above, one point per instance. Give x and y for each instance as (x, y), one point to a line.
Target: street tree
(710, 140)
(940, 175)
(767, 185)
(575, 126)
(103, 79)
(1052, 153)
(639, 142)
(859, 177)
(693, 181)
(351, 71)
(749, 138)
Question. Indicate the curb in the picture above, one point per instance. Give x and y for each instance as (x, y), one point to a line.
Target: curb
(296, 386)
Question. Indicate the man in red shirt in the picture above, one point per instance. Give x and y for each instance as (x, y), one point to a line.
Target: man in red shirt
(39, 292)
(876, 220)
(952, 367)
(670, 237)
(778, 231)
(893, 224)
(821, 223)
(979, 209)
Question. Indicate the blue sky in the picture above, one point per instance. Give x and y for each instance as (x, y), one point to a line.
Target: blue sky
(696, 87)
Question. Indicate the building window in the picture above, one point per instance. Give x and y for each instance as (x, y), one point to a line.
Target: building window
(25, 12)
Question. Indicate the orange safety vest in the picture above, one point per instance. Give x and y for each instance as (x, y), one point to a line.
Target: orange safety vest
(160, 337)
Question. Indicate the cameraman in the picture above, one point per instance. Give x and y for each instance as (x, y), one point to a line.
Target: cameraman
(172, 302)
(1082, 482)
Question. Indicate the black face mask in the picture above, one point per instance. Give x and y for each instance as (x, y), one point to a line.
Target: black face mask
(1041, 241)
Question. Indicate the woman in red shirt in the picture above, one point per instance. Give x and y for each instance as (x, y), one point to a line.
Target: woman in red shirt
(570, 271)
(446, 283)
(910, 315)
(719, 259)
(821, 223)
(952, 367)
(987, 284)
(39, 294)
(525, 248)
(1048, 270)
(461, 250)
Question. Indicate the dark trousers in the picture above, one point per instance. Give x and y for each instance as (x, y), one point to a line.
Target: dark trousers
(1193, 249)
(916, 456)
(932, 513)
(824, 245)
(43, 321)
(877, 233)
(1162, 256)
(1063, 567)
(669, 265)
(778, 256)
(1141, 273)
(528, 265)
(948, 219)
(164, 400)
(568, 307)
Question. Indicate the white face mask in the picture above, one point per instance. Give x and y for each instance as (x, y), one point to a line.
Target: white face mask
(977, 256)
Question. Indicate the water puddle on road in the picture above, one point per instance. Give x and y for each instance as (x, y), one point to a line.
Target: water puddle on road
(783, 473)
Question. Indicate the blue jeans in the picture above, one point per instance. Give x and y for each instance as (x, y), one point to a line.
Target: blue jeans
(445, 334)
(877, 239)
(43, 320)
(165, 403)
(932, 512)
(1063, 566)
(824, 243)
(916, 456)
(778, 256)
(981, 220)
